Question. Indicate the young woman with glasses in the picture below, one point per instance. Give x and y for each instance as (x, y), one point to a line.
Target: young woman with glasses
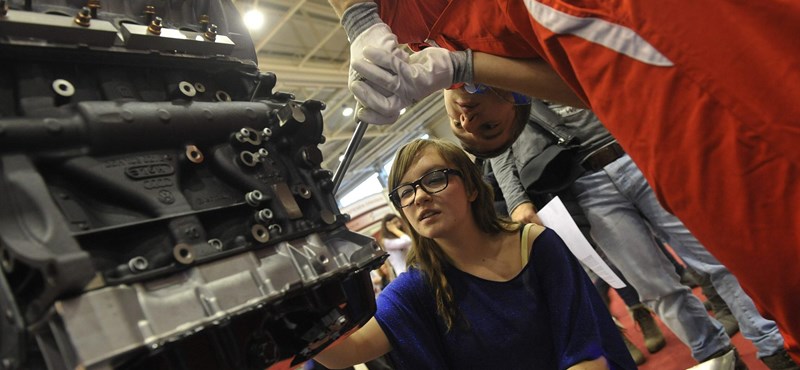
(481, 292)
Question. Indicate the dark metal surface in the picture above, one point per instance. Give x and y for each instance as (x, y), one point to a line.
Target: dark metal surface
(160, 205)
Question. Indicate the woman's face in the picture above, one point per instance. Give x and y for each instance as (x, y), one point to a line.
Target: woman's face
(483, 121)
(442, 214)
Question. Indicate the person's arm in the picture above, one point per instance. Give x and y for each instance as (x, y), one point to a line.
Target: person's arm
(395, 244)
(599, 363)
(395, 230)
(368, 343)
(526, 213)
(377, 279)
(403, 82)
(339, 6)
(521, 209)
(507, 175)
(532, 77)
(364, 28)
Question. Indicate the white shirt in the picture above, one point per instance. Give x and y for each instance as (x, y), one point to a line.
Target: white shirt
(397, 249)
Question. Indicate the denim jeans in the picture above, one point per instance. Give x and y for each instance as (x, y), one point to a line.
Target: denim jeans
(627, 293)
(624, 213)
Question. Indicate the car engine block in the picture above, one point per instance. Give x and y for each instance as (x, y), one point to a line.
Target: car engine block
(161, 207)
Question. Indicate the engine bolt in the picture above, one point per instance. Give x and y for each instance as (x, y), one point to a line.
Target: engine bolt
(216, 243)
(253, 198)
(263, 154)
(264, 215)
(149, 14)
(138, 263)
(211, 33)
(204, 22)
(94, 5)
(84, 17)
(155, 26)
(275, 228)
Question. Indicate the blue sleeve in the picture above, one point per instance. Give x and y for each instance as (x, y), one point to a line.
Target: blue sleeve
(582, 326)
(407, 315)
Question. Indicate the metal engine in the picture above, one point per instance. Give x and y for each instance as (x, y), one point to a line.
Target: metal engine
(160, 206)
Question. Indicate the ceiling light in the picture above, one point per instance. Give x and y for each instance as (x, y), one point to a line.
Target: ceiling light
(254, 19)
(347, 111)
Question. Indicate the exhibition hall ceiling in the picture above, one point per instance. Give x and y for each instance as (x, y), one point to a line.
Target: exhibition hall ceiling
(302, 42)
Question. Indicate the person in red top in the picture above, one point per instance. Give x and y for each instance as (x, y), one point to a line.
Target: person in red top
(702, 95)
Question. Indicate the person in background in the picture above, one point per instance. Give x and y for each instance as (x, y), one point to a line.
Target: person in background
(703, 96)
(381, 277)
(395, 241)
(623, 215)
(481, 292)
(713, 301)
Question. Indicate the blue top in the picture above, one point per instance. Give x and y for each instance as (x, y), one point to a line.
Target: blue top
(548, 317)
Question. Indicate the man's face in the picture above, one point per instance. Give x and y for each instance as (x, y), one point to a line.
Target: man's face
(485, 121)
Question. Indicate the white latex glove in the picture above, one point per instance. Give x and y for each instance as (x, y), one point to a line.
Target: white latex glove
(409, 81)
(379, 37)
(368, 115)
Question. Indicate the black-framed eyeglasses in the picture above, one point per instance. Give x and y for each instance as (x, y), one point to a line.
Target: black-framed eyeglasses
(432, 182)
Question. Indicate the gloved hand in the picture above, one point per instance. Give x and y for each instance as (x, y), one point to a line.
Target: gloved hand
(409, 81)
(366, 114)
(377, 36)
(365, 30)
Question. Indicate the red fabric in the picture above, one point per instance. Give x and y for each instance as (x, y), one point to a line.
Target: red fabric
(455, 29)
(716, 135)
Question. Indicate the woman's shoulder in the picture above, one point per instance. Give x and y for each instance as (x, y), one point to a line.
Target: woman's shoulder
(541, 240)
(532, 233)
(549, 236)
(550, 248)
(410, 287)
(412, 277)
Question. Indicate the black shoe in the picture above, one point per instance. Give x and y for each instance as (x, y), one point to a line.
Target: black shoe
(636, 354)
(780, 361)
(690, 279)
(720, 309)
(653, 337)
(726, 318)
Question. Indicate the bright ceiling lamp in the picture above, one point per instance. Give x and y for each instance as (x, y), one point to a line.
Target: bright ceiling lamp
(347, 111)
(254, 19)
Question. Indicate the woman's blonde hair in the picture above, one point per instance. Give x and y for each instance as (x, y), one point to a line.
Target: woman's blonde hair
(425, 255)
